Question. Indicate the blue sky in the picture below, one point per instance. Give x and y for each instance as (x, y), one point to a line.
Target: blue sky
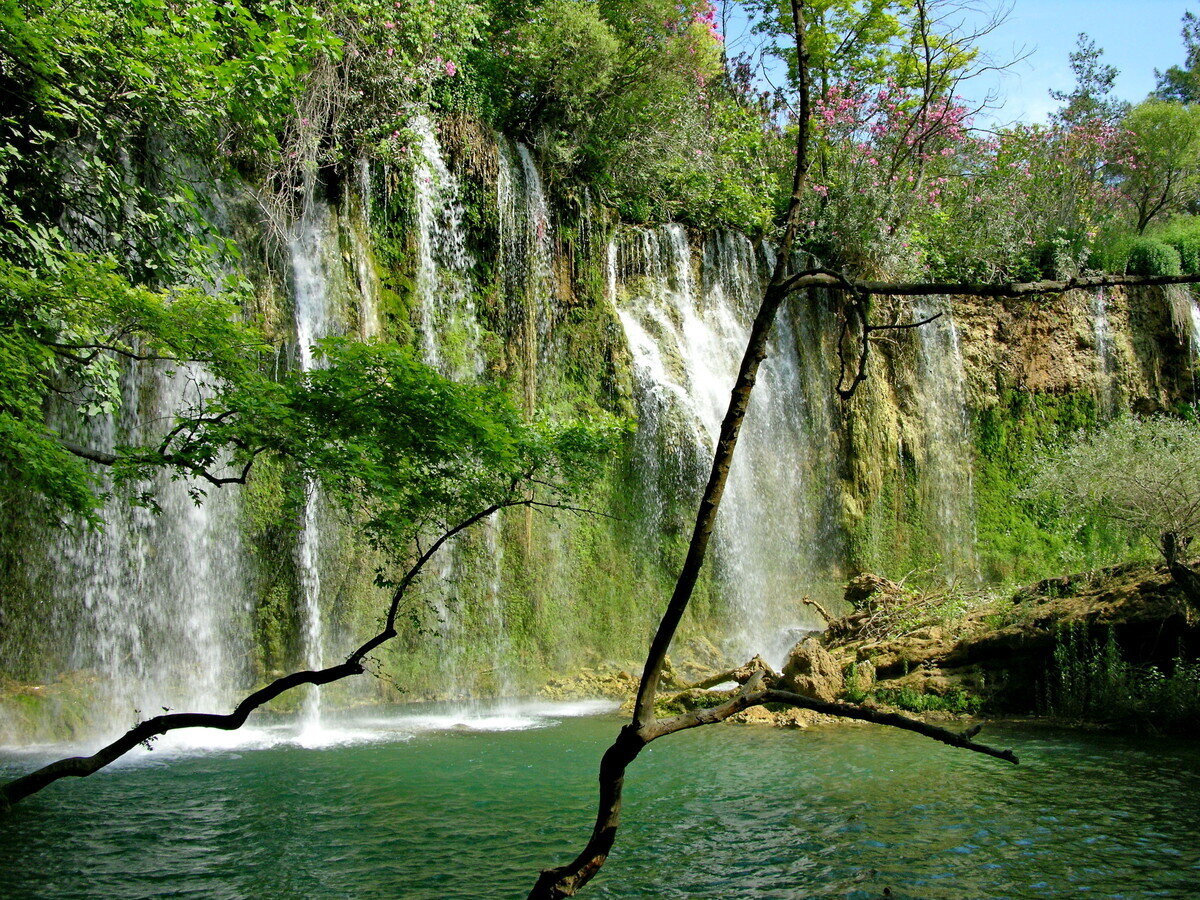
(1137, 36)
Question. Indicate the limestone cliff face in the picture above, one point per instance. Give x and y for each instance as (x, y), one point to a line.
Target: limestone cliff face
(1120, 344)
(487, 272)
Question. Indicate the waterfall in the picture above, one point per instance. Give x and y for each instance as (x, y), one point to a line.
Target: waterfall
(1185, 317)
(526, 259)
(310, 294)
(365, 275)
(153, 603)
(687, 336)
(499, 645)
(1106, 363)
(450, 334)
(467, 597)
(947, 474)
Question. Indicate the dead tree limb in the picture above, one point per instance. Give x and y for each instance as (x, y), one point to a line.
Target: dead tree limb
(814, 278)
(567, 880)
(821, 611)
(742, 674)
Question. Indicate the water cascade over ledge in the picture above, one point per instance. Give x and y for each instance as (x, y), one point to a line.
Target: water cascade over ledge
(152, 605)
(686, 328)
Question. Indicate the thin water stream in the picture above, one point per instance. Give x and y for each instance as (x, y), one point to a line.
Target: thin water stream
(415, 804)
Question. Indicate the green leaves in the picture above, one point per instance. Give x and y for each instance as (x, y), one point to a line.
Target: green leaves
(1143, 474)
(63, 333)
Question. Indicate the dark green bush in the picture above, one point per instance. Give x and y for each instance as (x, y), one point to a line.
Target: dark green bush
(1091, 679)
(1183, 233)
(1148, 256)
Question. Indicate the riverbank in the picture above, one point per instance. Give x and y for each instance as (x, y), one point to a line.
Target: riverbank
(1114, 648)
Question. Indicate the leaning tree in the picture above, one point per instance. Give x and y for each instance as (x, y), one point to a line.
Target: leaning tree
(760, 684)
(407, 426)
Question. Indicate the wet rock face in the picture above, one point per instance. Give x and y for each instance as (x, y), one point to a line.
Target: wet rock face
(811, 670)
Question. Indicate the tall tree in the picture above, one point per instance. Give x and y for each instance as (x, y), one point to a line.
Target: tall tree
(1162, 173)
(1182, 83)
(1091, 100)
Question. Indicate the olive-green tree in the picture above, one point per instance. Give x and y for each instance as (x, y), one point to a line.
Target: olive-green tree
(1141, 473)
(1162, 174)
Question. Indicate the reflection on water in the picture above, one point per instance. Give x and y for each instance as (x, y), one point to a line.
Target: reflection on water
(444, 808)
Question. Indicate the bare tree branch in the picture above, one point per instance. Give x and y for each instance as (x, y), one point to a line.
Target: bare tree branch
(565, 881)
(355, 664)
(813, 278)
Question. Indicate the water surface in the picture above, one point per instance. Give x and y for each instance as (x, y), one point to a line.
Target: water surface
(418, 804)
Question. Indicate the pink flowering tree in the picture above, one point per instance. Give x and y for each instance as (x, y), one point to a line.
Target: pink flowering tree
(904, 184)
(886, 155)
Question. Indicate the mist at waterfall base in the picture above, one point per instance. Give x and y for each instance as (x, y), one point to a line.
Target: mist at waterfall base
(472, 813)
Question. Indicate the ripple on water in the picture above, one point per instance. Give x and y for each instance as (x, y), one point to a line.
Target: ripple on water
(472, 804)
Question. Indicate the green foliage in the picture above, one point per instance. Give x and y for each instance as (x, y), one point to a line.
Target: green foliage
(108, 97)
(1183, 234)
(1148, 256)
(558, 62)
(1019, 539)
(62, 335)
(1110, 251)
(1182, 83)
(628, 97)
(1091, 99)
(844, 37)
(1163, 175)
(402, 449)
(1091, 679)
(956, 701)
(1142, 474)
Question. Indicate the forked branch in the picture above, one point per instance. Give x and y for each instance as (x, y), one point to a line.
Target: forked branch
(565, 881)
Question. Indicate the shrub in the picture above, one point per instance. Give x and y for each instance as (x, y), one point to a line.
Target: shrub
(956, 701)
(1140, 474)
(1091, 679)
(1110, 252)
(1183, 233)
(1148, 256)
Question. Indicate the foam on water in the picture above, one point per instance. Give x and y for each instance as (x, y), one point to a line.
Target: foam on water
(393, 725)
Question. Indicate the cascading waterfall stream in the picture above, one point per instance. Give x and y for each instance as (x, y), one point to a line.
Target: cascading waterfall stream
(449, 329)
(451, 337)
(1185, 317)
(947, 473)
(155, 600)
(526, 259)
(1105, 360)
(312, 322)
(687, 338)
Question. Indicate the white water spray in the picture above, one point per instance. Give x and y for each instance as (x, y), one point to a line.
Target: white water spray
(947, 477)
(687, 336)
